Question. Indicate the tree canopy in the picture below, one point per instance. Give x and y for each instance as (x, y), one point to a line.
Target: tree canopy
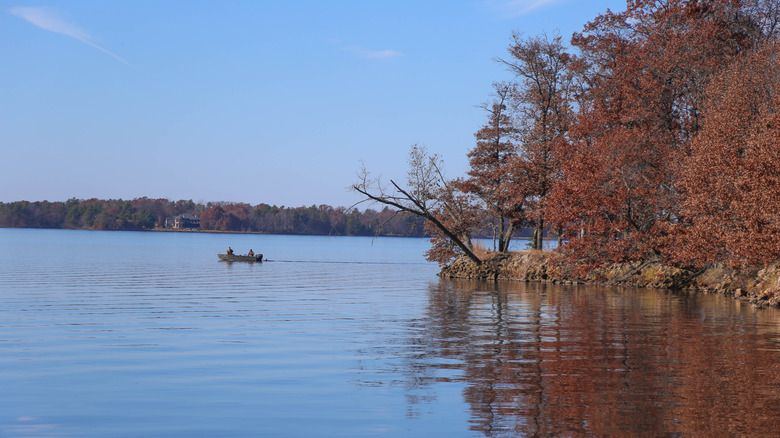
(655, 136)
(147, 214)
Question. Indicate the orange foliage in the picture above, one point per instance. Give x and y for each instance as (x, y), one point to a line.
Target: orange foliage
(661, 139)
(732, 177)
(647, 76)
(545, 105)
(492, 177)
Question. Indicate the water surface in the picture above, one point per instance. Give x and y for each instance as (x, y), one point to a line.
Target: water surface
(147, 334)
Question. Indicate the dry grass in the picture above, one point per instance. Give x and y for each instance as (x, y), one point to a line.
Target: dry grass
(479, 249)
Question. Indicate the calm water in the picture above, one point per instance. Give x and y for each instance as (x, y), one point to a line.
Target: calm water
(148, 334)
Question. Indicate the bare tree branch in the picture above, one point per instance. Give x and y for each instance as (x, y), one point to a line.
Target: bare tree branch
(428, 192)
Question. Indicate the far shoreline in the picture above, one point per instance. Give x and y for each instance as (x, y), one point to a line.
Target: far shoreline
(199, 231)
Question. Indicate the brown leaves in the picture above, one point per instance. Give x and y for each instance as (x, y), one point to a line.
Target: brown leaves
(660, 139)
(732, 176)
(649, 75)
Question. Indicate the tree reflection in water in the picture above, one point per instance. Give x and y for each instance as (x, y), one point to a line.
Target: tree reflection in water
(572, 360)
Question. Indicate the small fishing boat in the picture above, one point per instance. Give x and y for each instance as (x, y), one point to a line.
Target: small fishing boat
(240, 258)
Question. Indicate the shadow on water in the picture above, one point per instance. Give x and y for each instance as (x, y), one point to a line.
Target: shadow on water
(548, 360)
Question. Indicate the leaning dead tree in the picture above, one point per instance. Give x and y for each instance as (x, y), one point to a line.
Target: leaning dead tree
(427, 194)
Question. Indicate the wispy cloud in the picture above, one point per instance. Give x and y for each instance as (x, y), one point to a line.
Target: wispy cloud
(515, 8)
(50, 19)
(374, 54)
(367, 53)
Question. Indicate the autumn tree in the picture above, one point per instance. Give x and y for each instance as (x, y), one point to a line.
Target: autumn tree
(427, 194)
(647, 71)
(492, 176)
(731, 179)
(543, 105)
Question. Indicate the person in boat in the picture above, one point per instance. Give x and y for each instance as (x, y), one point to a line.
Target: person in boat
(251, 253)
(229, 251)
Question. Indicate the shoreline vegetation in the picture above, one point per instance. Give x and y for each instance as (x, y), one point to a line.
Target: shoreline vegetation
(650, 145)
(145, 214)
(758, 285)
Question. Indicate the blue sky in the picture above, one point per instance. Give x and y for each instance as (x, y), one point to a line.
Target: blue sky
(248, 101)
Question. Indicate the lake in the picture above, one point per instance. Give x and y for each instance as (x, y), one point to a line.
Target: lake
(148, 334)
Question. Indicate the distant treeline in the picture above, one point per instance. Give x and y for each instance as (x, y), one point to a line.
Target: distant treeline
(148, 214)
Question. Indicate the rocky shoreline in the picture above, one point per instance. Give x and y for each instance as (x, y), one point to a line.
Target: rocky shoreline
(759, 286)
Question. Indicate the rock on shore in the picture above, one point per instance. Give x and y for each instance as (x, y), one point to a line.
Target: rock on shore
(760, 286)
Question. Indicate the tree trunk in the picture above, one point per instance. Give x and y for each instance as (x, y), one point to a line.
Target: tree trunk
(501, 241)
(510, 230)
(455, 239)
(423, 212)
(539, 233)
